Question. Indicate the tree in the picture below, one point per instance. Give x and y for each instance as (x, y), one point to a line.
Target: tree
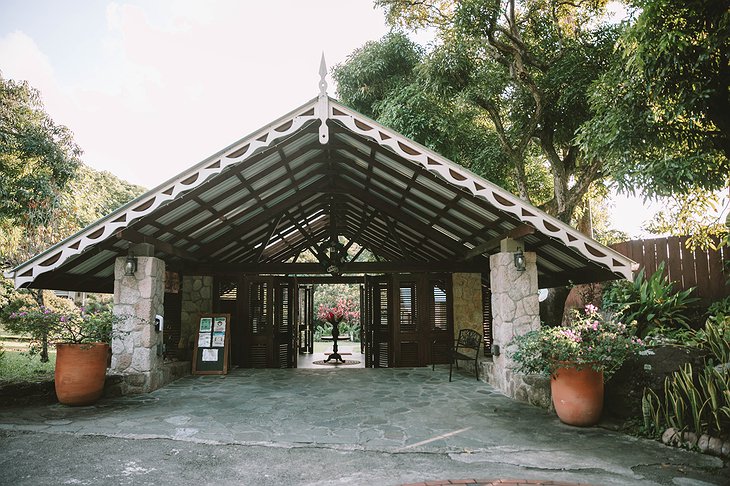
(526, 67)
(37, 156)
(697, 214)
(88, 196)
(662, 111)
(386, 81)
(522, 71)
(46, 193)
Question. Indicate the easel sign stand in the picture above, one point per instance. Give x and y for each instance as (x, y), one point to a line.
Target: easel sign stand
(212, 344)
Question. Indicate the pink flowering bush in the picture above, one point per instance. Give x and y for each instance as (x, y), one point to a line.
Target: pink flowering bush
(68, 326)
(589, 340)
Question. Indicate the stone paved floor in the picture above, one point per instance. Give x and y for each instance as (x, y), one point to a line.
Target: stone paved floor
(394, 411)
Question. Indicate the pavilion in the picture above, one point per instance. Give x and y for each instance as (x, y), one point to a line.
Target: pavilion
(451, 249)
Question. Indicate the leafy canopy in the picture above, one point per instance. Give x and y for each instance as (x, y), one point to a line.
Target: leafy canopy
(662, 111)
(37, 156)
(517, 74)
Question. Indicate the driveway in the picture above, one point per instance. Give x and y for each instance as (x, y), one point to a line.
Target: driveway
(343, 426)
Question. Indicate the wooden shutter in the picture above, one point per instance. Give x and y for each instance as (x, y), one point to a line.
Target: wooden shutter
(487, 318)
(258, 308)
(407, 319)
(381, 330)
(439, 306)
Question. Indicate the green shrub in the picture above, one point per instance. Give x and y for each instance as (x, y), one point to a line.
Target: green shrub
(696, 401)
(651, 302)
(588, 340)
(718, 307)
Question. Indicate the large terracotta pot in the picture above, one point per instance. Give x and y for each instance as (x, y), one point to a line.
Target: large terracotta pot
(577, 395)
(80, 372)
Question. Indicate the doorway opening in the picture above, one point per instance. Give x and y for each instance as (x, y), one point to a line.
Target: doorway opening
(331, 302)
(398, 320)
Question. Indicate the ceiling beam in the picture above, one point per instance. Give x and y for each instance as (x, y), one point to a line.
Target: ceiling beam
(394, 234)
(266, 240)
(135, 236)
(318, 269)
(263, 217)
(516, 233)
(454, 246)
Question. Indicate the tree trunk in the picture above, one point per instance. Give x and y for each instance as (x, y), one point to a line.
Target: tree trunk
(44, 339)
(553, 307)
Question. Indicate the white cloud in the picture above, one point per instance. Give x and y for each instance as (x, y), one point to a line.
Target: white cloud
(23, 60)
(178, 80)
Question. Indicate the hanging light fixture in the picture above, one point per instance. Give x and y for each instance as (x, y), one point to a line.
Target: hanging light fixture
(130, 265)
(520, 261)
(335, 257)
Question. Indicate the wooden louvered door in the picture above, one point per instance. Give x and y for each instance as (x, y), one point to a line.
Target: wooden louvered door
(376, 322)
(258, 349)
(284, 303)
(269, 308)
(440, 319)
(226, 301)
(409, 347)
(305, 318)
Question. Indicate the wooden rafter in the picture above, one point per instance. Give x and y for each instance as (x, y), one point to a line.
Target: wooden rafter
(266, 240)
(516, 233)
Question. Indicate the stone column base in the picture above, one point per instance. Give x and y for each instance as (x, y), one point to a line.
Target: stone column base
(532, 389)
(118, 384)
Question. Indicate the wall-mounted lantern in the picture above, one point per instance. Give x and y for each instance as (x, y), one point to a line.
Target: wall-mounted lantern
(130, 265)
(520, 261)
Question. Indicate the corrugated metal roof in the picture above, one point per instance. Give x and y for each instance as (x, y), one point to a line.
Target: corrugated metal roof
(279, 192)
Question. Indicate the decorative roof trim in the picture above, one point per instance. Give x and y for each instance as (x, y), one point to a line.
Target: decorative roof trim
(147, 203)
(480, 187)
(320, 108)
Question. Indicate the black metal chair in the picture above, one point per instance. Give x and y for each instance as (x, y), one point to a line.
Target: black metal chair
(466, 348)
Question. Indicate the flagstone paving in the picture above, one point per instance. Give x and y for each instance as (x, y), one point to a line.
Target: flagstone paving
(384, 411)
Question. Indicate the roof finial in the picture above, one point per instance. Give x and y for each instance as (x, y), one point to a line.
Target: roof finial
(322, 76)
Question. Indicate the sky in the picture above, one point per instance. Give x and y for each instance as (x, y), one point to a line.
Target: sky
(152, 87)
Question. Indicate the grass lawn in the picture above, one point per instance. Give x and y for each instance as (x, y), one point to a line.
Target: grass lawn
(19, 367)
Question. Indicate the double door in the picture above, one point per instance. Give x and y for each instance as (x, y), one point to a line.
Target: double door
(407, 319)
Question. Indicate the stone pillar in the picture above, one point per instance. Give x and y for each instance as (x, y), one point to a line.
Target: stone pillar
(137, 300)
(197, 297)
(515, 311)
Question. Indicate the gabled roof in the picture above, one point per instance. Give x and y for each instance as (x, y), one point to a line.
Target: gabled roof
(319, 172)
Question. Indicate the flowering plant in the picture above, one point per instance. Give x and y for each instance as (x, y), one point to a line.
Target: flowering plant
(72, 325)
(588, 340)
(343, 310)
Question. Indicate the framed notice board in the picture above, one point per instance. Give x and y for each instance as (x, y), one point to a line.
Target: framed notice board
(212, 344)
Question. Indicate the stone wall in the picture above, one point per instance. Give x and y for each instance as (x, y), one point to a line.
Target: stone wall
(467, 302)
(467, 305)
(197, 297)
(137, 300)
(515, 311)
(127, 384)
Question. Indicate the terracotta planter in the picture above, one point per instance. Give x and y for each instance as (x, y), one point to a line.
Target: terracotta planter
(80, 372)
(577, 395)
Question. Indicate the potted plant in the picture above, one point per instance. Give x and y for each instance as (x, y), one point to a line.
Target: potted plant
(82, 342)
(578, 357)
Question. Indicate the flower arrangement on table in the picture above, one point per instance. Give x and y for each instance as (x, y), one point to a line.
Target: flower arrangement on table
(342, 310)
(589, 340)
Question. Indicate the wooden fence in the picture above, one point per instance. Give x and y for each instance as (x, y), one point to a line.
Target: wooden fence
(703, 269)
